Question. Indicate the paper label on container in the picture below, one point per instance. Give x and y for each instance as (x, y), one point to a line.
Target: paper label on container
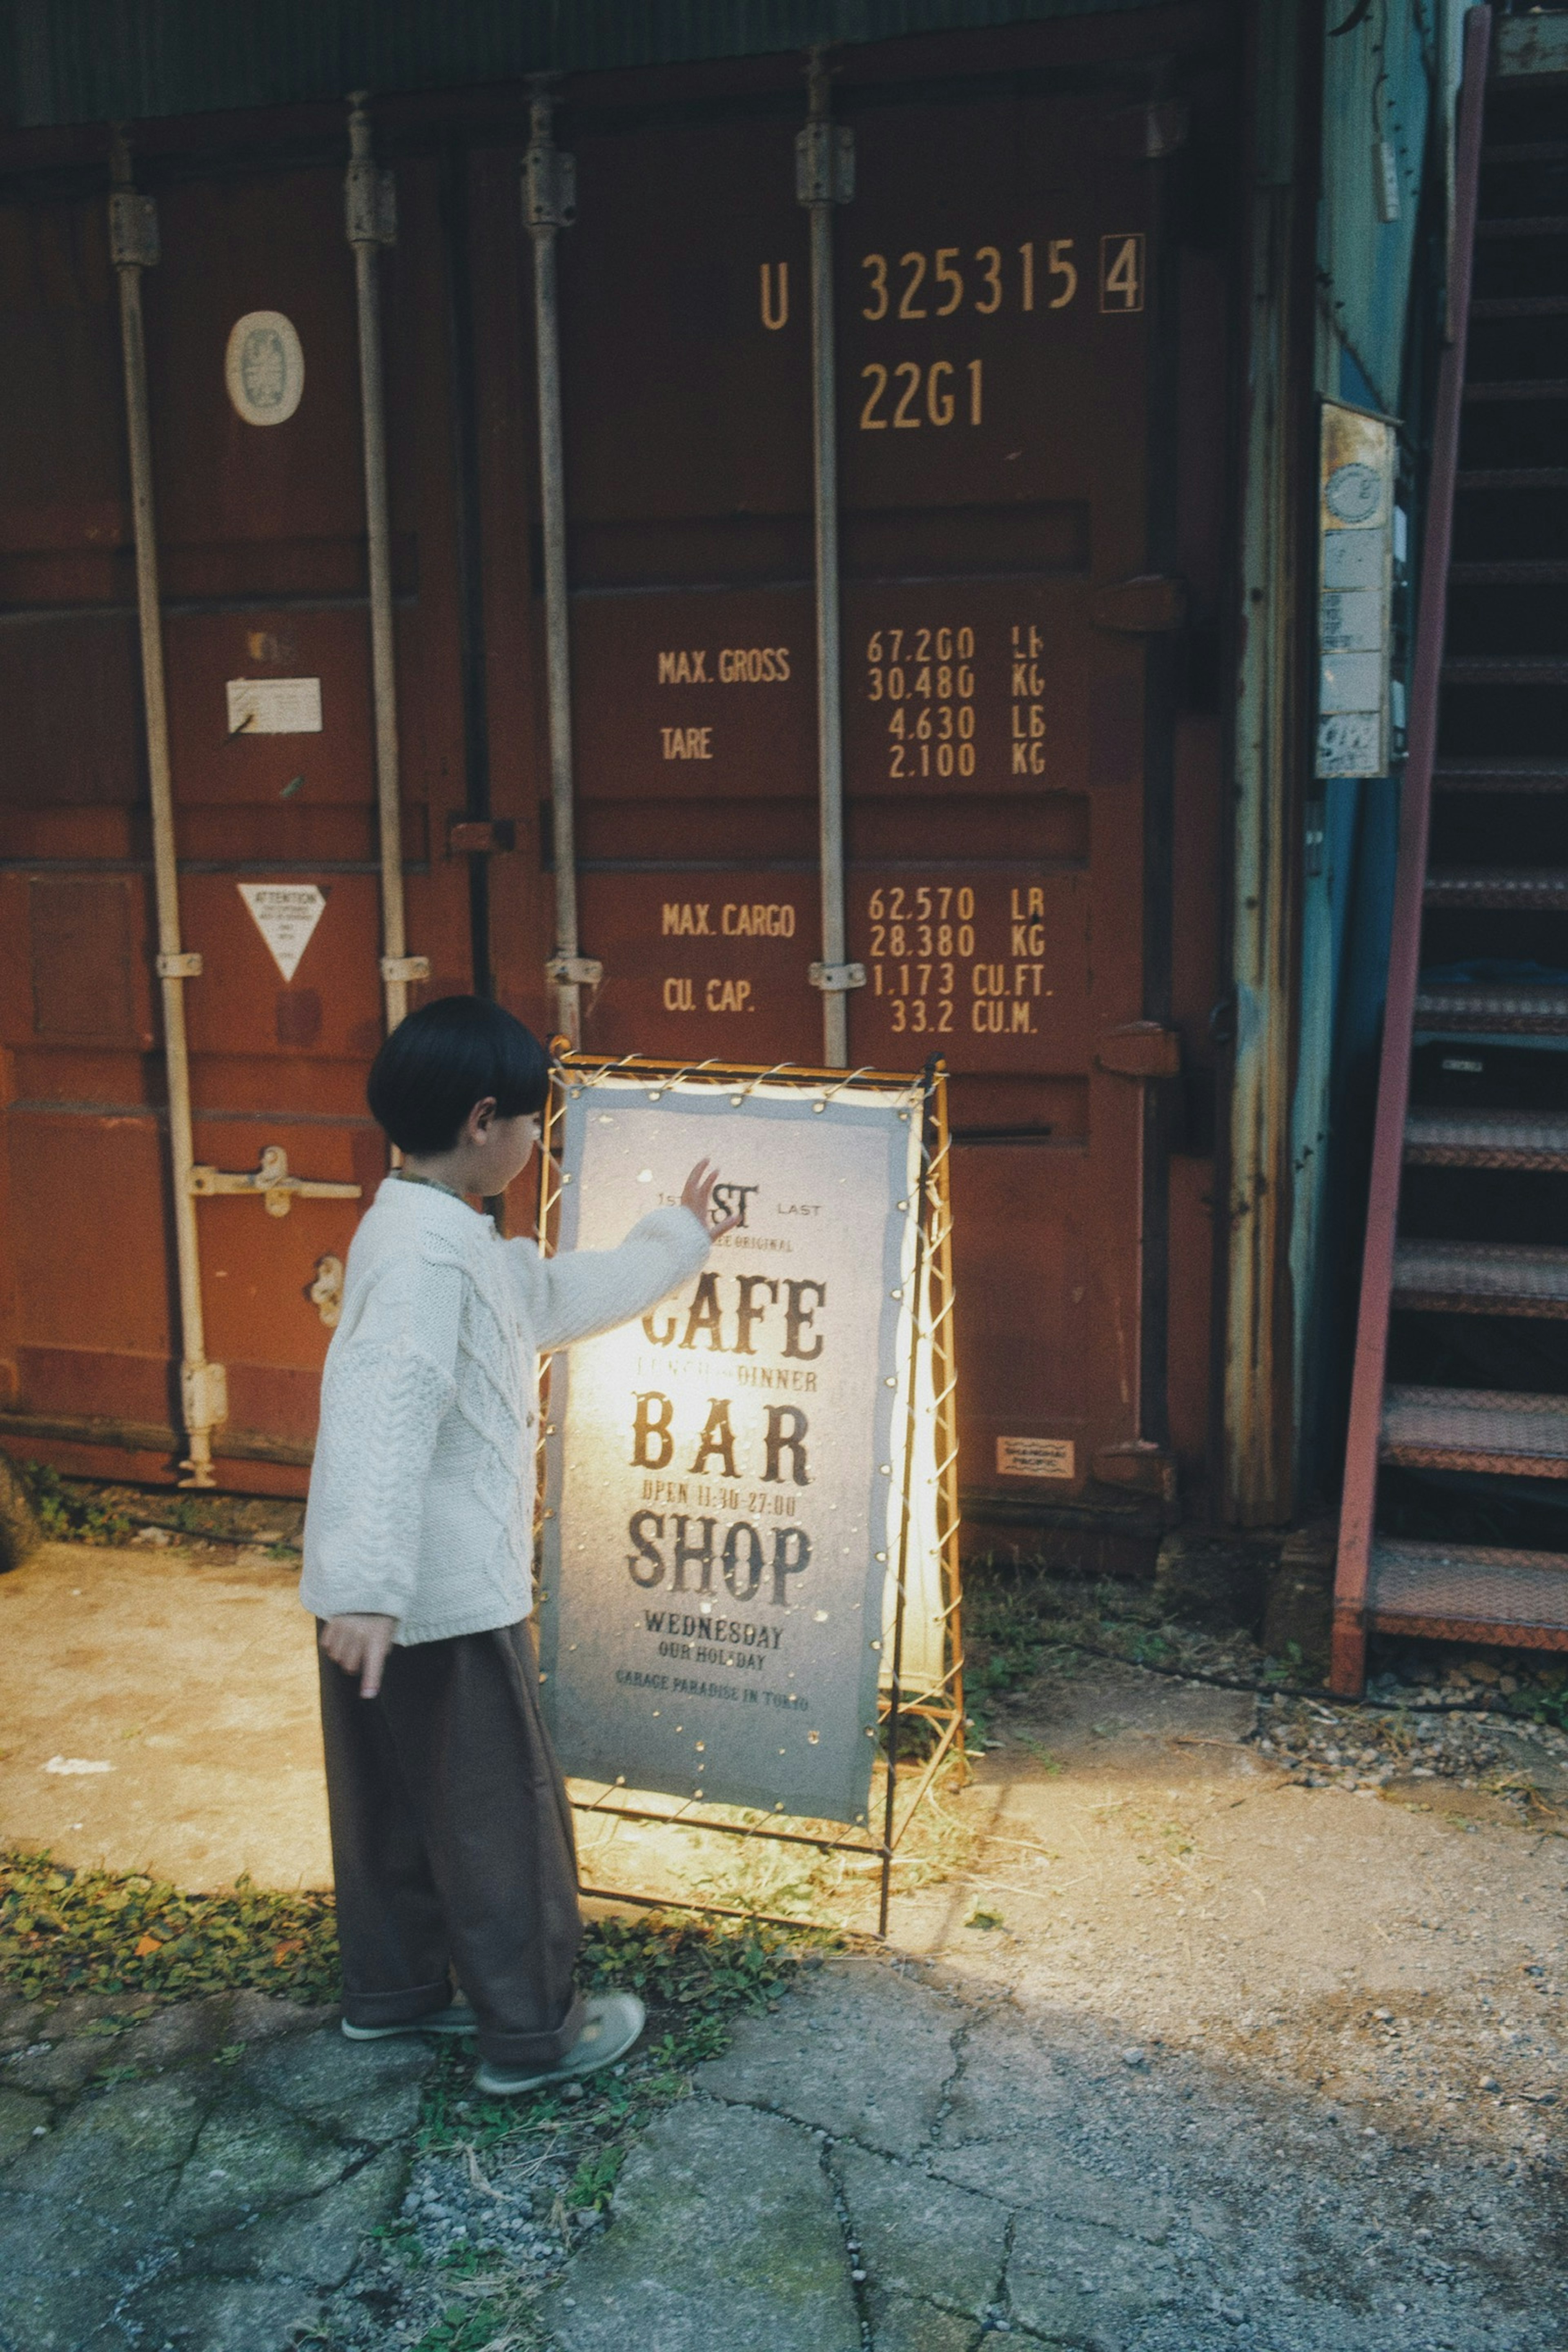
(1036, 1458)
(274, 706)
(286, 914)
(264, 367)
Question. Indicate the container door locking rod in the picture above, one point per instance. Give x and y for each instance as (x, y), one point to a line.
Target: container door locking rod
(824, 177)
(549, 206)
(370, 208)
(204, 1387)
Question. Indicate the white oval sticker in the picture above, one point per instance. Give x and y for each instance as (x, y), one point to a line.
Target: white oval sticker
(264, 367)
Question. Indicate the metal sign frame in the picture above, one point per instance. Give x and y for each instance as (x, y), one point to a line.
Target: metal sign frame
(940, 1705)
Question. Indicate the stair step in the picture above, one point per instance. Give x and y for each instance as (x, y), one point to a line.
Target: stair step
(1500, 775)
(1520, 572)
(1519, 306)
(1523, 224)
(1532, 387)
(1511, 477)
(1468, 1592)
(1507, 669)
(1487, 1139)
(1521, 1011)
(1490, 886)
(1491, 1429)
(1481, 1278)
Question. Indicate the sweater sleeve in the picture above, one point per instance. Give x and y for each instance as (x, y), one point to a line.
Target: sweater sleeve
(384, 1395)
(587, 1291)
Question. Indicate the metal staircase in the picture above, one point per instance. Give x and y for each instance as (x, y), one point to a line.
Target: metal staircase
(1455, 1519)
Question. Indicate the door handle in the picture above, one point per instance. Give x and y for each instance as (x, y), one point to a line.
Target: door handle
(1140, 1049)
(272, 1181)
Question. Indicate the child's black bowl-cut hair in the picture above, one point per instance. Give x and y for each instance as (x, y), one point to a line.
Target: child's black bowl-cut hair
(442, 1060)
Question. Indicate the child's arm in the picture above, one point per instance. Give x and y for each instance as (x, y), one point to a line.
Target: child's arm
(388, 1382)
(587, 1291)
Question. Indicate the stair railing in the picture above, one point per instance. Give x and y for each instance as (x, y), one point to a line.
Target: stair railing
(1347, 1672)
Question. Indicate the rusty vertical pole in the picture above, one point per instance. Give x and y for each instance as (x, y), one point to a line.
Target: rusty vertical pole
(134, 248)
(1258, 1453)
(549, 206)
(371, 210)
(824, 176)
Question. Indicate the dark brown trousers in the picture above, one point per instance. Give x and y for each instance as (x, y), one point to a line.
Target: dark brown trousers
(452, 1844)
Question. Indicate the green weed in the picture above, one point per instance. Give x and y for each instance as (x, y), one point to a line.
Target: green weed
(71, 1512)
(67, 1931)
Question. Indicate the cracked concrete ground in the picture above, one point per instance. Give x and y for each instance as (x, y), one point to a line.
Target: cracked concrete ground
(1233, 2063)
(197, 2181)
(1178, 2053)
(904, 2160)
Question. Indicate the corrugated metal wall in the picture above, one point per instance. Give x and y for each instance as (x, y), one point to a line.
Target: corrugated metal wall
(101, 61)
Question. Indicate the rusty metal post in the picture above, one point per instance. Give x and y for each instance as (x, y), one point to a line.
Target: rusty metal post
(1256, 1447)
(549, 206)
(824, 176)
(204, 1389)
(1353, 1575)
(371, 207)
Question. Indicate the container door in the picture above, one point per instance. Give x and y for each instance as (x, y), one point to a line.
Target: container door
(85, 1289)
(254, 397)
(1008, 729)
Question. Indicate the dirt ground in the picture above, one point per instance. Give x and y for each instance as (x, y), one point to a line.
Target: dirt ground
(1398, 1953)
(1330, 2019)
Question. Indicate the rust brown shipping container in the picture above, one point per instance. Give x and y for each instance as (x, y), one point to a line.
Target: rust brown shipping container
(1034, 295)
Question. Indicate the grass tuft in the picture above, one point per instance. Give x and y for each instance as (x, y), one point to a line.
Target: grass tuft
(92, 1931)
(100, 1931)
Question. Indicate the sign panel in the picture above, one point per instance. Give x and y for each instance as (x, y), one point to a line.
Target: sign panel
(1036, 1458)
(274, 706)
(286, 914)
(725, 1478)
(1355, 591)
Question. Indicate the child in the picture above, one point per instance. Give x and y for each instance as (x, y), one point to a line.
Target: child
(452, 1842)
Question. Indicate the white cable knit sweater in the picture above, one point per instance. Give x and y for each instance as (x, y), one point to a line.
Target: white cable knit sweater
(422, 1493)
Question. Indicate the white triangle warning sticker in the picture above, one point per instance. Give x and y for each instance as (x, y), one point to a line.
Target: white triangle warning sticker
(286, 914)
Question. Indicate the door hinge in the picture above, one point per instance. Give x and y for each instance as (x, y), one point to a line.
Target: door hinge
(1140, 1049)
(1146, 132)
(480, 836)
(824, 163)
(1154, 605)
(549, 186)
(1141, 1467)
(133, 230)
(369, 203)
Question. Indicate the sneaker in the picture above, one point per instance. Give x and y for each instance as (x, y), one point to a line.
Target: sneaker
(612, 2024)
(457, 2018)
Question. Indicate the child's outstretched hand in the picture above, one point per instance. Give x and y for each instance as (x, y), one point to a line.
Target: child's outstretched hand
(699, 1195)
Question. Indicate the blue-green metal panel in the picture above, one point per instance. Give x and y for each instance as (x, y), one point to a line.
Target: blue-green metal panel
(102, 60)
(1377, 83)
(1381, 78)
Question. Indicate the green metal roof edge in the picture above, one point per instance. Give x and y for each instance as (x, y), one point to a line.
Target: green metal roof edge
(65, 61)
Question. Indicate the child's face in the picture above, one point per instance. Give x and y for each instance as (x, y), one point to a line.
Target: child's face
(502, 1149)
(489, 1152)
